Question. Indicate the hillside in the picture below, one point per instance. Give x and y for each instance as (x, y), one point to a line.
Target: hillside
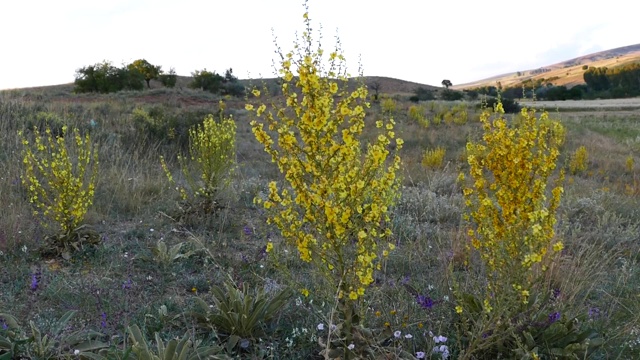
(568, 73)
(386, 85)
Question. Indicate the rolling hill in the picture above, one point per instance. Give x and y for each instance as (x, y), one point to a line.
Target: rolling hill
(568, 73)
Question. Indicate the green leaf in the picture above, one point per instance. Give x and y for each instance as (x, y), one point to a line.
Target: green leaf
(91, 345)
(11, 322)
(62, 322)
(232, 341)
(183, 348)
(92, 356)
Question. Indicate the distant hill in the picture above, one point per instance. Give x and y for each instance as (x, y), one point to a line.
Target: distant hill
(568, 73)
(387, 85)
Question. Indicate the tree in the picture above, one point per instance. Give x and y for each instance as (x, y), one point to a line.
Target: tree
(105, 78)
(446, 83)
(376, 86)
(206, 80)
(596, 78)
(145, 68)
(231, 85)
(169, 79)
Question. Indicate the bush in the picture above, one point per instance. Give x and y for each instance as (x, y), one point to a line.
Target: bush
(423, 94)
(509, 106)
(169, 79)
(206, 80)
(451, 95)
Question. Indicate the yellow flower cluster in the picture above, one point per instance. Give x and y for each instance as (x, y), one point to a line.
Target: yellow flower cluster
(578, 162)
(60, 174)
(334, 205)
(629, 163)
(212, 154)
(388, 105)
(433, 158)
(417, 113)
(507, 199)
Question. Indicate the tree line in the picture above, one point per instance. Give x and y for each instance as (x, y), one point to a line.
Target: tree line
(600, 82)
(104, 77)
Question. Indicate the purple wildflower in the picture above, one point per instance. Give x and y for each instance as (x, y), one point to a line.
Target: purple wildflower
(103, 322)
(556, 293)
(405, 280)
(594, 313)
(4, 324)
(554, 317)
(425, 301)
(34, 281)
(247, 230)
(127, 284)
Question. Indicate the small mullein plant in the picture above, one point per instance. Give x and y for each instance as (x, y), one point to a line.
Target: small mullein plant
(60, 174)
(334, 203)
(208, 168)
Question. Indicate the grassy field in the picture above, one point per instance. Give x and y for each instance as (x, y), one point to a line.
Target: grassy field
(123, 281)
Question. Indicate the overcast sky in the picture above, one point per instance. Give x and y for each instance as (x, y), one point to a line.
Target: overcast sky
(45, 41)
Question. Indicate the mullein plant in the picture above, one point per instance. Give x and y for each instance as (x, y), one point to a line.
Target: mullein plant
(511, 200)
(334, 202)
(60, 174)
(209, 167)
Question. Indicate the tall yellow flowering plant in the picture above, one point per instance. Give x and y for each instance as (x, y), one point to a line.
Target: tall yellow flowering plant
(208, 168)
(511, 209)
(60, 174)
(333, 206)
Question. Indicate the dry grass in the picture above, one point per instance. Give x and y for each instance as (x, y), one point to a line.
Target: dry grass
(135, 208)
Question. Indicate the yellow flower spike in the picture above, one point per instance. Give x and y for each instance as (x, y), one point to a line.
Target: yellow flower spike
(505, 195)
(338, 187)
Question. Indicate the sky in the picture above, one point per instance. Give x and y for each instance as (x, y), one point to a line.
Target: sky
(44, 42)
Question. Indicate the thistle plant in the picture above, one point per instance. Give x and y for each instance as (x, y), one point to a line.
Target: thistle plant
(508, 204)
(210, 164)
(333, 206)
(60, 174)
